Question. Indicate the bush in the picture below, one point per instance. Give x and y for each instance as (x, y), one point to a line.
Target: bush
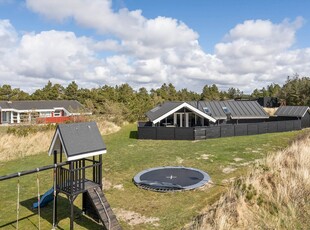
(25, 130)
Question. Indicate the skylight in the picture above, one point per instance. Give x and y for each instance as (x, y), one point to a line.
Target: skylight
(226, 110)
(206, 110)
(155, 109)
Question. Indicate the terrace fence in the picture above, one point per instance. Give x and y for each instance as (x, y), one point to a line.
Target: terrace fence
(207, 132)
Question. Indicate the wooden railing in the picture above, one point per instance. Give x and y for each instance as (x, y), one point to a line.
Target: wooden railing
(72, 181)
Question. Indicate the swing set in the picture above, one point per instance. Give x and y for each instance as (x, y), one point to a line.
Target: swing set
(37, 170)
(83, 147)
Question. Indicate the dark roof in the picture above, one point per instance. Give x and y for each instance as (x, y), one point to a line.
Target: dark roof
(162, 109)
(79, 140)
(236, 109)
(292, 111)
(70, 105)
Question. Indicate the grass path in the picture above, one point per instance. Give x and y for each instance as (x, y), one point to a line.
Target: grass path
(223, 159)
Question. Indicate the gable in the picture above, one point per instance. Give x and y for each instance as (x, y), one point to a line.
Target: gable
(161, 112)
(78, 140)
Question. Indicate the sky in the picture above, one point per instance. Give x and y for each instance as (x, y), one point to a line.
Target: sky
(241, 44)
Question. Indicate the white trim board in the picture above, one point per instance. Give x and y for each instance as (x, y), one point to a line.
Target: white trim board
(184, 105)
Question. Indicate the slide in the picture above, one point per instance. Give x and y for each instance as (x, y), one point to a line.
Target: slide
(45, 199)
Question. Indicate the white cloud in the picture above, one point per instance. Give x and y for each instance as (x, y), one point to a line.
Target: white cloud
(51, 54)
(8, 36)
(146, 52)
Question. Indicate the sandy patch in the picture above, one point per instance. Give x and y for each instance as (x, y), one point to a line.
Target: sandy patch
(106, 184)
(179, 160)
(134, 218)
(246, 163)
(229, 180)
(206, 186)
(228, 170)
(204, 157)
(131, 145)
(238, 159)
(119, 187)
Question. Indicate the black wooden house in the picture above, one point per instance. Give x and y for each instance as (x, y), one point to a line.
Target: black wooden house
(294, 113)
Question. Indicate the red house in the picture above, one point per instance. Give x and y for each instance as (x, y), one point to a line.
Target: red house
(43, 111)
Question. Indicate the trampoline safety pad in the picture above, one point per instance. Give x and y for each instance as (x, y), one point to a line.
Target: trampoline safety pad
(168, 179)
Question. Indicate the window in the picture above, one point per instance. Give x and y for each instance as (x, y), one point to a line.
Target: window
(206, 110)
(5, 116)
(226, 110)
(45, 114)
(57, 113)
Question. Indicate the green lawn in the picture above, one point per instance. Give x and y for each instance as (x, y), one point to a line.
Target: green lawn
(126, 157)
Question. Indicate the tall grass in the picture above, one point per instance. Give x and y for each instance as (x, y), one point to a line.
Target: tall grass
(13, 146)
(276, 195)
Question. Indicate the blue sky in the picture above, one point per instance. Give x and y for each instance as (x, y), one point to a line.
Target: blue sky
(213, 19)
(242, 44)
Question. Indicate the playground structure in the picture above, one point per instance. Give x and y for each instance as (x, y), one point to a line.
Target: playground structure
(81, 173)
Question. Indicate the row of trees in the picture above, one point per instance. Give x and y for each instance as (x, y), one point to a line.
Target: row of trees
(124, 103)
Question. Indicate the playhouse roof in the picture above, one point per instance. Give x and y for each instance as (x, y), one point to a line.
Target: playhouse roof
(78, 140)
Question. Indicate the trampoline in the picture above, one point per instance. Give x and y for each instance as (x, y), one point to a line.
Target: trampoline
(169, 179)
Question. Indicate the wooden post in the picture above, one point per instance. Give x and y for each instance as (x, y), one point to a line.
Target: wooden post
(72, 213)
(60, 153)
(100, 171)
(55, 191)
(94, 170)
(71, 194)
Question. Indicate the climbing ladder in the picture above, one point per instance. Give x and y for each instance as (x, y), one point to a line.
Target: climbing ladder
(103, 209)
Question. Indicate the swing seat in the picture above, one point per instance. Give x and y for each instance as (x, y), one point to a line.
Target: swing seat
(45, 199)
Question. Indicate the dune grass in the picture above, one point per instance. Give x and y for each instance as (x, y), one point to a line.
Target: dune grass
(274, 195)
(223, 159)
(19, 146)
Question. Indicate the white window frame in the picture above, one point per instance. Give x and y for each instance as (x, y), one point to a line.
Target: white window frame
(57, 113)
(45, 114)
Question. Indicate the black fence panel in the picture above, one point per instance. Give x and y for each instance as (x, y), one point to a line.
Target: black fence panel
(281, 126)
(262, 127)
(241, 130)
(164, 133)
(213, 132)
(227, 130)
(184, 133)
(297, 125)
(252, 129)
(147, 133)
(199, 133)
(289, 125)
(272, 127)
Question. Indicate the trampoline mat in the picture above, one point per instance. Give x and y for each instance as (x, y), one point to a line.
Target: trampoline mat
(174, 178)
